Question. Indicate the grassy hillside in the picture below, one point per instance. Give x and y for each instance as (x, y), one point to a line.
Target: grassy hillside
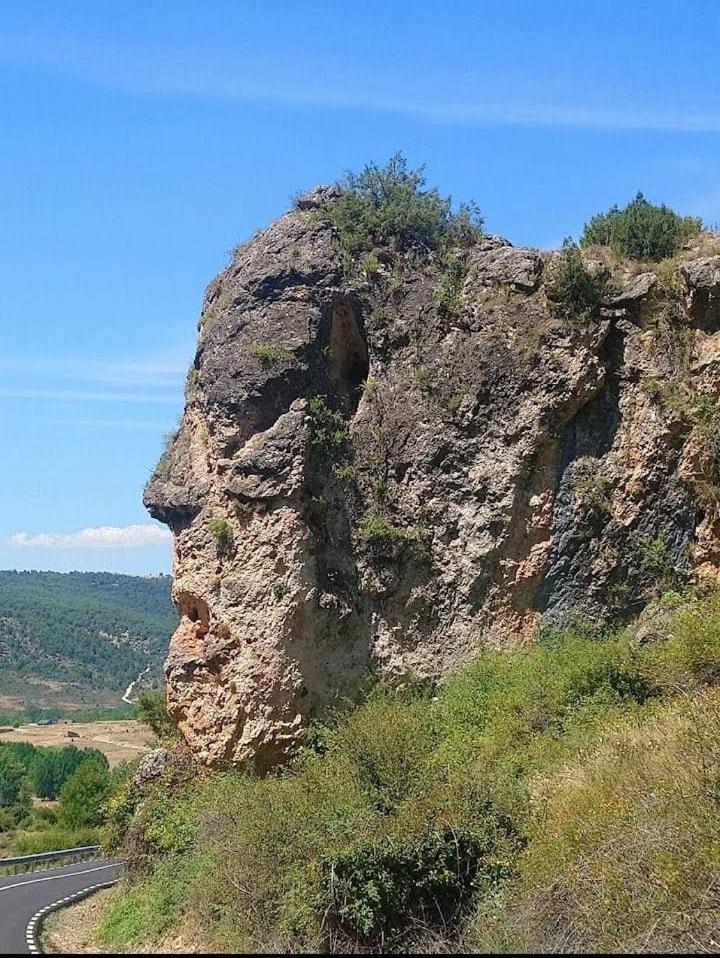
(559, 797)
(78, 639)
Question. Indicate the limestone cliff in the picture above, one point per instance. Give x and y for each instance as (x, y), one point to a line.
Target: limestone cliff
(381, 467)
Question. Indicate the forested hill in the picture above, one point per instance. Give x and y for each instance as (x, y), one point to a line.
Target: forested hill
(72, 640)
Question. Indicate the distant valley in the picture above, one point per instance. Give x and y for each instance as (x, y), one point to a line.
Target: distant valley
(73, 642)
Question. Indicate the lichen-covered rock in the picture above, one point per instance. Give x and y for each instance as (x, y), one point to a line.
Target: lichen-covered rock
(369, 482)
(495, 262)
(151, 768)
(636, 290)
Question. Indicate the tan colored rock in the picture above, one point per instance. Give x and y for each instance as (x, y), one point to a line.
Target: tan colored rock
(499, 466)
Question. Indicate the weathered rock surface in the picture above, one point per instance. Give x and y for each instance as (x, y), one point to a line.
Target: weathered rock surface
(364, 484)
(150, 768)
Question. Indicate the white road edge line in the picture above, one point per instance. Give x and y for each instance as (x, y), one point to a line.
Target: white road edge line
(34, 881)
(32, 932)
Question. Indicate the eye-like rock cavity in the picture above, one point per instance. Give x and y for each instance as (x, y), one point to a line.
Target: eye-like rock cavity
(369, 484)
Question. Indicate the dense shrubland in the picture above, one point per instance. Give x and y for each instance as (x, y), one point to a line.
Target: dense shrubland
(486, 813)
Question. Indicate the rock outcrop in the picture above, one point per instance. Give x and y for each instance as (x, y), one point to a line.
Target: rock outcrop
(367, 482)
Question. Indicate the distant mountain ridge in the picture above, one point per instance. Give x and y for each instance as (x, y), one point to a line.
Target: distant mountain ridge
(77, 639)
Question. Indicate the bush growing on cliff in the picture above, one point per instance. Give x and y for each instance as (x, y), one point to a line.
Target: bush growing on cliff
(221, 532)
(391, 206)
(328, 430)
(152, 710)
(570, 287)
(382, 536)
(454, 269)
(640, 230)
(271, 353)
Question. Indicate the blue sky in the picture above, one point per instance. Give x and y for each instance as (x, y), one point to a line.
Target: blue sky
(141, 141)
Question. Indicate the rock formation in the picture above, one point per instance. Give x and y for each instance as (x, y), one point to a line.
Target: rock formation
(370, 480)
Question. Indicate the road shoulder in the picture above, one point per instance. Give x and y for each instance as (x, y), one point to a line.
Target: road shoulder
(71, 930)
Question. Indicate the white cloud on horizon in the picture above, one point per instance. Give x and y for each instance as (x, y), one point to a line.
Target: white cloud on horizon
(95, 537)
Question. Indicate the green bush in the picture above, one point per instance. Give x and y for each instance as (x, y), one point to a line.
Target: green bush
(328, 429)
(221, 532)
(379, 890)
(271, 353)
(120, 806)
(658, 564)
(454, 269)
(83, 797)
(152, 710)
(383, 537)
(640, 230)
(391, 206)
(572, 289)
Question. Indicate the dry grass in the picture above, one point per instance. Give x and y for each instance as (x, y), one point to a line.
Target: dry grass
(70, 931)
(120, 741)
(624, 849)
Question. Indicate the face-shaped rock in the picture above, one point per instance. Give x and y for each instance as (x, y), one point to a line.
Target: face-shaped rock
(365, 484)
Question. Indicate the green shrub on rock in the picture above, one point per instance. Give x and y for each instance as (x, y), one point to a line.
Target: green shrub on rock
(221, 532)
(570, 287)
(390, 206)
(641, 230)
(152, 710)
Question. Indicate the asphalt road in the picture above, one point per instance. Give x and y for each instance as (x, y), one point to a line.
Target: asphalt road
(21, 896)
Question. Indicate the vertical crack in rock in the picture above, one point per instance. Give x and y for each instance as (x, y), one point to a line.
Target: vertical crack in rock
(585, 439)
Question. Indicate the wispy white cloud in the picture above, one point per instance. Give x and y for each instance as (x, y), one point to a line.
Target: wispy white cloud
(154, 426)
(142, 372)
(79, 395)
(94, 537)
(144, 71)
(144, 381)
